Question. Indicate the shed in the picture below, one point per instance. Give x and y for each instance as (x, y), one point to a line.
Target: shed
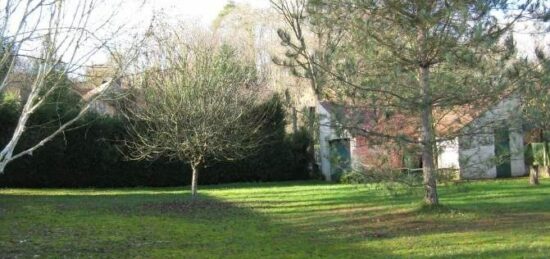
(490, 146)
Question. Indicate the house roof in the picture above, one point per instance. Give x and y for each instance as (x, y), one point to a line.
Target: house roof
(452, 121)
(364, 120)
(399, 124)
(455, 120)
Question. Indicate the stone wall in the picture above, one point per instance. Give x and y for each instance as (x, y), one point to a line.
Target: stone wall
(477, 142)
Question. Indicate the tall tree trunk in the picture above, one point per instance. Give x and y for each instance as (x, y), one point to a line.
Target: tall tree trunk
(428, 136)
(534, 175)
(534, 170)
(7, 152)
(294, 119)
(194, 180)
(312, 116)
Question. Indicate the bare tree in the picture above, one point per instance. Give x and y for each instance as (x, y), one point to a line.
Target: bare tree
(60, 37)
(195, 102)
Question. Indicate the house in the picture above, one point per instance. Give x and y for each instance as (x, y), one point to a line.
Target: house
(342, 148)
(332, 144)
(486, 144)
(105, 105)
(489, 146)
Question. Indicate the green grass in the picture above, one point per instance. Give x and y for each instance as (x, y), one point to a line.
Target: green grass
(505, 218)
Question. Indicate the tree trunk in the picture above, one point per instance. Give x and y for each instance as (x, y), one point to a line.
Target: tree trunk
(311, 149)
(534, 175)
(7, 152)
(194, 180)
(535, 170)
(294, 120)
(428, 136)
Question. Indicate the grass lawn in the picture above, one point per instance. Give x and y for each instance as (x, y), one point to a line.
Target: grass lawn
(504, 218)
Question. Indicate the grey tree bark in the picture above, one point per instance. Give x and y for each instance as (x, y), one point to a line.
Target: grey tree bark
(428, 166)
(534, 175)
(194, 180)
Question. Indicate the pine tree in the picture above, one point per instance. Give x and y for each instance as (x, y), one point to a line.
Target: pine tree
(419, 58)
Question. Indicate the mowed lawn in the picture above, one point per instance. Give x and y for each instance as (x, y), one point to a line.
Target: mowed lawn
(504, 218)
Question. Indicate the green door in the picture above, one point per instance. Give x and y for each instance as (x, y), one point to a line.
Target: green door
(340, 157)
(502, 153)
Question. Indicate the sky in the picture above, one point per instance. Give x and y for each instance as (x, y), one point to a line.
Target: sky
(203, 12)
(200, 11)
(132, 15)
(137, 15)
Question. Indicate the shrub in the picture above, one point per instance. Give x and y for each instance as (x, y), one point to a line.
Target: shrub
(354, 177)
(9, 113)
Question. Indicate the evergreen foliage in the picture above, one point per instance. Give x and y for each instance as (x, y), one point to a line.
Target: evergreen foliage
(88, 155)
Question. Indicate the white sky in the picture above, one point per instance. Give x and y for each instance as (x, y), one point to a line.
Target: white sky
(201, 11)
(206, 10)
(135, 15)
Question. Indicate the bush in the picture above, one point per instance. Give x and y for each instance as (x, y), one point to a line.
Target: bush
(354, 177)
(411, 178)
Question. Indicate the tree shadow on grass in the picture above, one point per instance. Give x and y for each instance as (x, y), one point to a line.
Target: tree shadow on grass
(154, 225)
(336, 223)
(419, 223)
(369, 219)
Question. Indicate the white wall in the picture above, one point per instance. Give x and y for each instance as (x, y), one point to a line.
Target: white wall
(477, 150)
(477, 163)
(325, 134)
(448, 154)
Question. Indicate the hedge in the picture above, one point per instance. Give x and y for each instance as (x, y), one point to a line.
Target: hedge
(89, 155)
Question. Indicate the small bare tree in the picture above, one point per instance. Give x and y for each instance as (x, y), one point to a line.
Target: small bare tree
(60, 37)
(196, 102)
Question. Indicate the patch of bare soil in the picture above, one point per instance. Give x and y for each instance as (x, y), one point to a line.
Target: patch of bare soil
(409, 223)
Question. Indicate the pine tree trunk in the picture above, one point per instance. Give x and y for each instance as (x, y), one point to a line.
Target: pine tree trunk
(534, 171)
(534, 175)
(311, 149)
(194, 180)
(428, 135)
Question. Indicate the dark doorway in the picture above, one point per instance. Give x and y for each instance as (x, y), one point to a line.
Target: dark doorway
(502, 153)
(340, 157)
